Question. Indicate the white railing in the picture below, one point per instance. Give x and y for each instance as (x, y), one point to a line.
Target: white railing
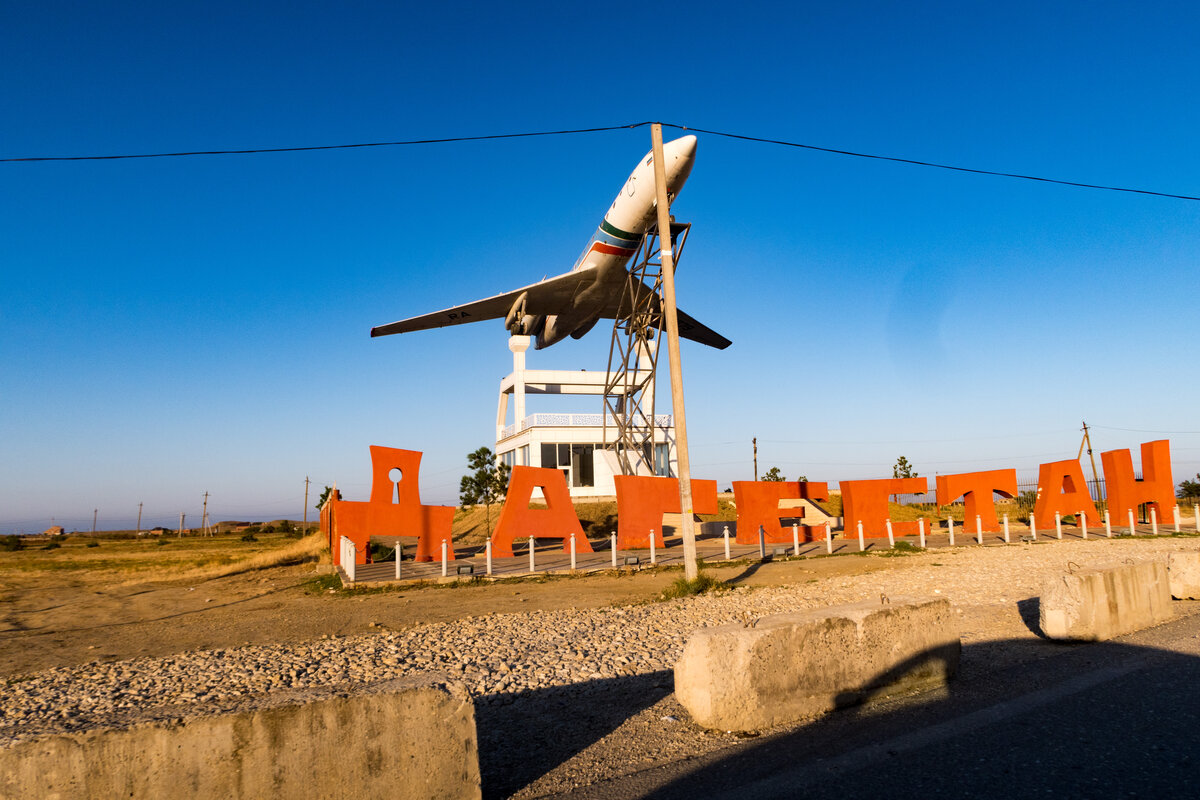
(347, 557)
(573, 421)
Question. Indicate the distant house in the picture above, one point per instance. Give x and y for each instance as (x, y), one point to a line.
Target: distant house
(54, 530)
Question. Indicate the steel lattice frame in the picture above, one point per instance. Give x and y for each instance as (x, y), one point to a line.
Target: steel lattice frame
(636, 329)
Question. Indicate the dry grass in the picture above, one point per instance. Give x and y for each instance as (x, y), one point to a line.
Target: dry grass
(310, 548)
(111, 560)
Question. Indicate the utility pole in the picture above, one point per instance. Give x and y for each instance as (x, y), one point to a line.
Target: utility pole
(667, 256)
(204, 516)
(1087, 440)
(180, 536)
(95, 511)
(755, 442)
(139, 527)
(305, 528)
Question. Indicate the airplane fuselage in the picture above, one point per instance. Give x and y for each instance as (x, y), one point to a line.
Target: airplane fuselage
(570, 304)
(615, 241)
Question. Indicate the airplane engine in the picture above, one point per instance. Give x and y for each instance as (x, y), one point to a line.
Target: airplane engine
(532, 324)
(553, 331)
(516, 315)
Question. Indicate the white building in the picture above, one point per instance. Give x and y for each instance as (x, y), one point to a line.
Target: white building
(574, 443)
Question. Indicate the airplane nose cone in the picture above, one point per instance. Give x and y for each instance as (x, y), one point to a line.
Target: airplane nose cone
(683, 147)
(679, 155)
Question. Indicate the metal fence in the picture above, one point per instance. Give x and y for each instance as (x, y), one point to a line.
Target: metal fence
(1022, 503)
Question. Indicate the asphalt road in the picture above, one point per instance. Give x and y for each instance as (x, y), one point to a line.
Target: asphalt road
(1115, 719)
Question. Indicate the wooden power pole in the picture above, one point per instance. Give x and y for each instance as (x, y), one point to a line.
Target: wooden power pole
(1087, 441)
(204, 517)
(754, 441)
(304, 529)
(139, 527)
(667, 255)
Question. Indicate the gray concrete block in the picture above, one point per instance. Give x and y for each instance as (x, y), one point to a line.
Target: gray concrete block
(410, 738)
(1098, 604)
(788, 667)
(1183, 572)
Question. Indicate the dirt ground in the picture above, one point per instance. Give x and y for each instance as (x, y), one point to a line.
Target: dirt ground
(59, 620)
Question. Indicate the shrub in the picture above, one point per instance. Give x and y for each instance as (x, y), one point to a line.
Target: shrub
(249, 537)
(11, 543)
(161, 542)
(682, 587)
(93, 544)
(51, 545)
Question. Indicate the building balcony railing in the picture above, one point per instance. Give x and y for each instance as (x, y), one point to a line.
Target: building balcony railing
(663, 421)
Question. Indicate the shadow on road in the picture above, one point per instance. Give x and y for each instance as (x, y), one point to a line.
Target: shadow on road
(1099, 720)
(527, 735)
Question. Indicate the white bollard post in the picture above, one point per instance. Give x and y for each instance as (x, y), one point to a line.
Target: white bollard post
(1107, 524)
(1032, 527)
(978, 530)
(1083, 523)
(1196, 512)
(921, 531)
(531, 564)
(950, 520)
(891, 538)
(796, 539)
(397, 559)
(1177, 519)
(572, 552)
(653, 553)
(762, 543)
(489, 556)
(829, 538)
(1058, 525)
(1006, 539)
(1154, 520)
(445, 562)
(1132, 526)
(861, 545)
(612, 538)
(727, 543)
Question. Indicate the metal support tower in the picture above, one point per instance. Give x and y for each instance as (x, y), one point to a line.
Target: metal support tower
(628, 406)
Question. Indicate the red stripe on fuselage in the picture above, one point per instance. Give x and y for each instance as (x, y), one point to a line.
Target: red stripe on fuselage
(609, 250)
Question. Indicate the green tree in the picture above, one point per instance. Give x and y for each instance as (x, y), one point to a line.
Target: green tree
(1189, 490)
(773, 474)
(486, 484)
(903, 469)
(324, 496)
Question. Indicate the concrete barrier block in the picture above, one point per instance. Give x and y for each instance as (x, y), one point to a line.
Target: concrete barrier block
(412, 738)
(1183, 572)
(1097, 604)
(788, 667)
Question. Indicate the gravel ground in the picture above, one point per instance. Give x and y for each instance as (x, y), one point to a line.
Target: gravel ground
(604, 673)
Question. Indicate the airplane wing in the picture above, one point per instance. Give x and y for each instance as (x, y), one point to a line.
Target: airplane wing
(690, 328)
(545, 297)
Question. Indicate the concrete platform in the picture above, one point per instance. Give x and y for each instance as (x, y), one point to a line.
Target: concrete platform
(1097, 604)
(789, 667)
(407, 738)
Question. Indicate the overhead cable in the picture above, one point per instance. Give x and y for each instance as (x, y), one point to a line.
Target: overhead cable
(726, 134)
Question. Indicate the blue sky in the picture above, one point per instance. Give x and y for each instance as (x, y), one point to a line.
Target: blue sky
(176, 326)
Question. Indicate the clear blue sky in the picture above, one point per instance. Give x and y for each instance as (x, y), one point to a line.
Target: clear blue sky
(175, 326)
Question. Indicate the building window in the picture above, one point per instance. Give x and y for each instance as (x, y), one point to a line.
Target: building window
(662, 460)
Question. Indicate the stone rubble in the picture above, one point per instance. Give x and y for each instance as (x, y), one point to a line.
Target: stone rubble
(499, 655)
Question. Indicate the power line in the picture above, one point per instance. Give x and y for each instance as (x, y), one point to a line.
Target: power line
(933, 164)
(630, 126)
(328, 146)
